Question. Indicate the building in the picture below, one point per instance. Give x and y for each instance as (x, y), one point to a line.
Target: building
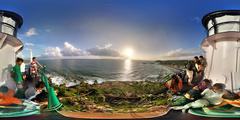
(10, 45)
(222, 47)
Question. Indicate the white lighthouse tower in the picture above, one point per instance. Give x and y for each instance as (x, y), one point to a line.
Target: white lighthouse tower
(10, 45)
(222, 47)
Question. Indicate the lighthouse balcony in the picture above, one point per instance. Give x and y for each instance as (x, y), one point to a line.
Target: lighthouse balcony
(10, 22)
(222, 21)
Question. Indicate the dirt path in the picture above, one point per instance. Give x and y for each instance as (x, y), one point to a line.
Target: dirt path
(89, 115)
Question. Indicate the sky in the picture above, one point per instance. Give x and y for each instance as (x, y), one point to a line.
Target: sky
(151, 29)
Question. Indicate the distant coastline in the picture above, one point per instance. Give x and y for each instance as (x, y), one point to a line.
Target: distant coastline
(176, 64)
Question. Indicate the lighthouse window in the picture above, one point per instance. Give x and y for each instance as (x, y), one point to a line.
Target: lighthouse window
(228, 27)
(226, 18)
(8, 20)
(7, 29)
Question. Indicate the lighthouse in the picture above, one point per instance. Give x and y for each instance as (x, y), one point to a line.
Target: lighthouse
(10, 45)
(222, 47)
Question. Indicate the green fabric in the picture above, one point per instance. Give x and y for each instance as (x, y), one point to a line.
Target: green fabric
(17, 74)
(28, 108)
(53, 102)
(221, 112)
(180, 101)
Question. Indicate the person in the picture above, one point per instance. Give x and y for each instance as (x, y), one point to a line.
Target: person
(7, 97)
(41, 93)
(193, 94)
(200, 72)
(17, 74)
(195, 60)
(34, 70)
(189, 74)
(230, 95)
(203, 61)
(210, 96)
(174, 85)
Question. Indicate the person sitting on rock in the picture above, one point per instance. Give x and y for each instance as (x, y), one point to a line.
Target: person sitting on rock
(174, 85)
(40, 94)
(193, 94)
(210, 96)
(7, 97)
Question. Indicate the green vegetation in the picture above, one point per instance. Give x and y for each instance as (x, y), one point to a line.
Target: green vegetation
(113, 96)
(117, 96)
(178, 64)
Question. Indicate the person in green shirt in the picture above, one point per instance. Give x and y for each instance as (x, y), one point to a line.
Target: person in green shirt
(17, 74)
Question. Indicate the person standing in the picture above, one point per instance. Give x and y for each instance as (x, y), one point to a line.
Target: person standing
(203, 61)
(17, 74)
(34, 70)
(190, 74)
(200, 72)
(195, 60)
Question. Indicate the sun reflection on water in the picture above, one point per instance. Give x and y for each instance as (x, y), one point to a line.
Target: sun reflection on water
(127, 69)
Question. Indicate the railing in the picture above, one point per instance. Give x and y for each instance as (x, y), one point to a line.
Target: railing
(229, 26)
(53, 102)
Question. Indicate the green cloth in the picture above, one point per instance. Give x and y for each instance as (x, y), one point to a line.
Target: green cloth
(18, 77)
(226, 111)
(181, 100)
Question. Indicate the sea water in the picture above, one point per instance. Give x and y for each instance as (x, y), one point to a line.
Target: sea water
(72, 71)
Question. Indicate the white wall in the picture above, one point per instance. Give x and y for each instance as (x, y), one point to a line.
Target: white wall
(7, 60)
(222, 62)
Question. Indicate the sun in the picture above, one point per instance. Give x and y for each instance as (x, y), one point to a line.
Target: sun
(128, 53)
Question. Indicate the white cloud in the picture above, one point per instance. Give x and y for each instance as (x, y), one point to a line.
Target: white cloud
(181, 54)
(105, 50)
(52, 52)
(29, 44)
(106, 46)
(31, 32)
(70, 50)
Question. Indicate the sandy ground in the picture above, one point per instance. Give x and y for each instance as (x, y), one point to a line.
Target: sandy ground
(89, 115)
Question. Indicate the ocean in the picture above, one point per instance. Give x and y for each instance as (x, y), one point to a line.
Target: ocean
(72, 71)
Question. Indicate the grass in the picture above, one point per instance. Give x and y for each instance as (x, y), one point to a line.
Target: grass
(112, 96)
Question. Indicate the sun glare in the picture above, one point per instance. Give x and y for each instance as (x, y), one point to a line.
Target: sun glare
(128, 53)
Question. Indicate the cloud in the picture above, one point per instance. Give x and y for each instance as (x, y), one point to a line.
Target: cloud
(181, 54)
(105, 50)
(29, 44)
(52, 52)
(106, 46)
(70, 50)
(31, 32)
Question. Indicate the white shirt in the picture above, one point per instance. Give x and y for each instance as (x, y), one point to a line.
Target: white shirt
(212, 97)
(22, 67)
(190, 75)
